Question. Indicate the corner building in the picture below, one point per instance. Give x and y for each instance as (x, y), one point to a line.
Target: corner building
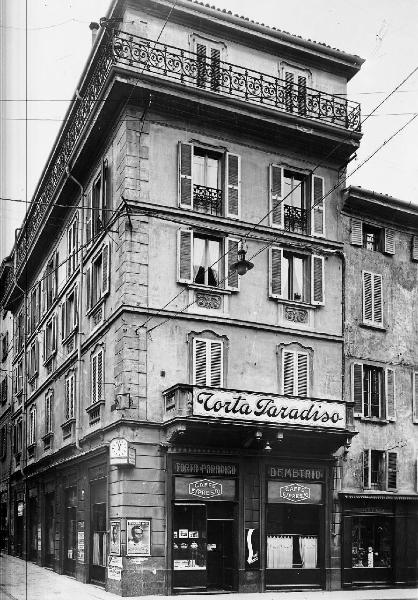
(175, 424)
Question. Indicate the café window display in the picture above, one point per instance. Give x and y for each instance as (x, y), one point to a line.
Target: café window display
(372, 542)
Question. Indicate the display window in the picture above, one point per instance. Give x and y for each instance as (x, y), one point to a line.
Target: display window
(372, 541)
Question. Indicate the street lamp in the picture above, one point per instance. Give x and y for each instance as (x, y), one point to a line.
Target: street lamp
(242, 265)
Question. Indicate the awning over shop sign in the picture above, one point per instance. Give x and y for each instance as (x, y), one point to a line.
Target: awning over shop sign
(269, 409)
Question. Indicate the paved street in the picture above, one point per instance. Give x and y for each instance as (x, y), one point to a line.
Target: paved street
(25, 581)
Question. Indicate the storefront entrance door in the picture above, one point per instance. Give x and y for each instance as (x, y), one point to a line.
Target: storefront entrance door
(220, 554)
(70, 531)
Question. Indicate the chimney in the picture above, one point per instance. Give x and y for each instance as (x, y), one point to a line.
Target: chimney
(94, 27)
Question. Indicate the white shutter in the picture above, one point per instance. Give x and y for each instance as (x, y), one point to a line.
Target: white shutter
(288, 372)
(372, 298)
(199, 362)
(357, 388)
(233, 185)
(105, 269)
(67, 399)
(377, 300)
(54, 334)
(100, 375)
(390, 395)
(63, 319)
(216, 364)
(356, 232)
(389, 241)
(317, 206)
(366, 469)
(275, 272)
(55, 266)
(185, 175)
(317, 280)
(88, 288)
(232, 278)
(94, 379)
(415, 396)
(89, 217)
(302, 374)
(276, 206)
(414, 249)
(75, 313)
(392, 470)
(185, 256)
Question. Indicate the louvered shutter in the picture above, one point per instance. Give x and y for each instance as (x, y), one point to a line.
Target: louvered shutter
(415, 396)
(275, 272)
(67, 398)
(289, 77)
(71, 397)
(54, 334)
(75, 314)
(317, 206)
(63, 319)
(288, 373)
(43, 293)
(94, 379)
(415, 247)
(199, 362)
(88, 288)
(356, 237)
(366, 469)
(232, 280)
(389, 241)
(302, 95)
(100, 375)
(233, 185)
(302, 374)
(367, 297)
(357, 389)
(185, 175)
(377, 299)
(70, 251)
(201, 64)
(216, 364)
(55, 267)
(276, 206)
(89, 217)
(390, 395)
(215, 73)
(392, 470)
(104, 192)
(185, 256)
(105, 269)
(317, 280)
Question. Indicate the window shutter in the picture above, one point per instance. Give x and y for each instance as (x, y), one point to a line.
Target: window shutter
(392, 470)
(276, 206)
(356, 232)
(184, 256)
(233, 185)
(289, 77)
(105, 268)
(232, 279)
(302, 379)
(89, 217)
(88, 288)
(54, 334)
(390, 395)
(103, 192)
(100, 375)
(216, 364)
(75, 314)
(302, 95)
(44, 288)
(199, 362)
(215, 74)
(201, 64)
(366, 469)
(185, 175)
(415, 247)
(357, 389)
(317, 280)
(63, 319)
(94, 379)
(389, 241)
(377, 299)
(367, 297)
(275, 272)
(36, 356)
(318, 206)
(67, 398)
(55, 276)
(415, 396)
(288, 373)
(69, 250)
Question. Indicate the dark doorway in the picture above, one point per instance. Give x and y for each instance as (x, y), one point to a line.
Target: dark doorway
(70, 531)
(19, 528)
(33, 529)
(49, 529)
(98, 509)
(220, 554)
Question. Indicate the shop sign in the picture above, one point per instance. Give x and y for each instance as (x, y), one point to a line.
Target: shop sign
(309, 473)
(205, 488)
(268, 409)
(295, 492)
(214, 469)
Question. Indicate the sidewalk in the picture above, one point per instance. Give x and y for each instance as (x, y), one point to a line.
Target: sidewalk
(20, 580)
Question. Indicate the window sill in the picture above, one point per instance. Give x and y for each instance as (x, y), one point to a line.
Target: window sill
(377, 420)
(67, 423)
(372, 326)
(209, 289)
(32, 378)
(92, 309)
(47, 437)
(31, 447)
(296, 303)
(69, 336)
(49, 358)
(94, 406)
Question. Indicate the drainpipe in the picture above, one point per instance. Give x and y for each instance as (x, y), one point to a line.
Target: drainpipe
(343, 309)
(24, 383)
(80, 300)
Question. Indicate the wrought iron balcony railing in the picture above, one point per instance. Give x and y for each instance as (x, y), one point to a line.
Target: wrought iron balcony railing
(295, 219)
(207, 200)
(232, 80)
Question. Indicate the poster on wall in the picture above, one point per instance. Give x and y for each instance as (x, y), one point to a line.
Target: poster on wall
(138, 537)
(114, 542)
(252, 549)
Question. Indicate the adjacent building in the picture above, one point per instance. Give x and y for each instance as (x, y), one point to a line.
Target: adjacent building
(177, 424)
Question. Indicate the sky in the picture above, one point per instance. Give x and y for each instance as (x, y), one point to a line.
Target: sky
(383, 32)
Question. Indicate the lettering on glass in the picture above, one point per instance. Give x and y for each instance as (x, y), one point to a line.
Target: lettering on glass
(295, 492)
(205, 488)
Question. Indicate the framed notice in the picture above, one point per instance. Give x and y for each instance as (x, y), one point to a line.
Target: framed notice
(114, 542)
(138, 537)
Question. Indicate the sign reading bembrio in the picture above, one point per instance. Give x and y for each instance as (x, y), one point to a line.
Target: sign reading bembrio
(268, 409)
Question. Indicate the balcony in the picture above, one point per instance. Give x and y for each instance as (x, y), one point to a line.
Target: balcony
(295, 219)
(207, 200)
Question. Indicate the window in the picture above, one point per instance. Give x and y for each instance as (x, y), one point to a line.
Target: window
(201, 175)
(296, 277)
(208, 362)
(50, 282)
(295, 373)
(97, 376)
(372, 299)
(17, 436)
(69, 396)
(203, 260)
(72, 247)
(18, 378)
(50, 338)
(49, 408)
(98, 201)
(371, 237)
(3, 441)
(19, 332)
(296, 201)
(69, 313)
(4, 390)
(372, 541)
(373, 392)
(32, 426)
(33, 360)
(295, 82)
(4, 345)
(34, 308)
(98, 277)
(208, 62)
(379, 470)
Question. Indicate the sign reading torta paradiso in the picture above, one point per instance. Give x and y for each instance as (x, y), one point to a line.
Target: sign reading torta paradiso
(277, 410)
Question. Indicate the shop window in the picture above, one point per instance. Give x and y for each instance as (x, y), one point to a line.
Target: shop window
(50, 338)
(69, 313)
(98, 277)
(50, 283)
(371, 237)
(206, 260)
(208, 362)
(97, 376)
(296, 277)
(69, 396)
(379, 470)
(372, 541)
(189, 545)
(201, 175)
(33, 360)
(373, 392)
(72, 247)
